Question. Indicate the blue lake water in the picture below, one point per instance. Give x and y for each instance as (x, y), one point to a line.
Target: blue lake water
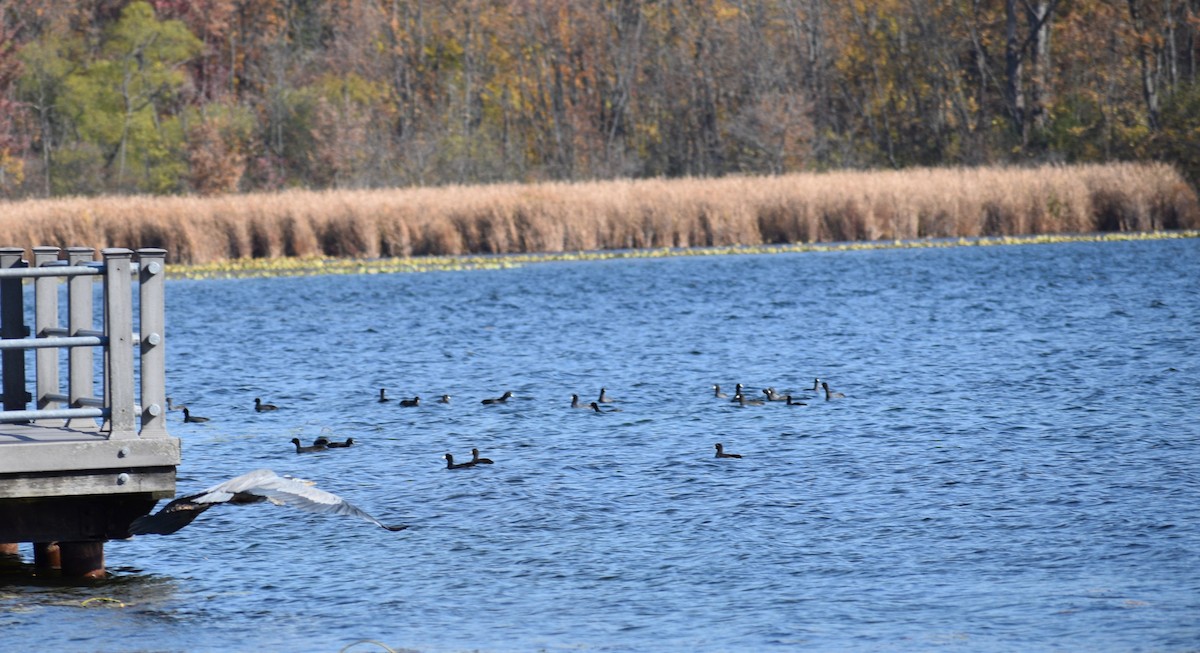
(1015, 465)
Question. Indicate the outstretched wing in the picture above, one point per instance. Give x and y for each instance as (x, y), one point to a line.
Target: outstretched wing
(303, 495)
(251, 487)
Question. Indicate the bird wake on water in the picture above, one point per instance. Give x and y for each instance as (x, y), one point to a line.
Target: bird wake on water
(253, 487)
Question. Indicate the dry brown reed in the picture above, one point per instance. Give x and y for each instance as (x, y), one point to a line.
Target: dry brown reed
(557, 217)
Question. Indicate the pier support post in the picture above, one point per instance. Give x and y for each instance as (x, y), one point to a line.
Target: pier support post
(82, 559)
(151, 273)
(80, 320)
(118, 359)
(46, 317)
(12, 325)
(46, 556)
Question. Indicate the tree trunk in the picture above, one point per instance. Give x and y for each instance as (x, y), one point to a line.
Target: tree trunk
(1038, 16)
(1014, 89)
(1148, 59)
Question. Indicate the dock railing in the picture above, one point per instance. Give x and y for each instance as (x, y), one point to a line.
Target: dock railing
(117, 406)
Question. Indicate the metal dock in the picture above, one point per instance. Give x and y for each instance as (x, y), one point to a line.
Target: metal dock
(78, 466)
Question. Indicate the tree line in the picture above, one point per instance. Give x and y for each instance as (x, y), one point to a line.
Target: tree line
(215, 96)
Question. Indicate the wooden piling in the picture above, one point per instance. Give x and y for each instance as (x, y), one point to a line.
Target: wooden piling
(82, 559)
(46, 556)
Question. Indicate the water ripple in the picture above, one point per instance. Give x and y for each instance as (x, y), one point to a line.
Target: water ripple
(1015, 464)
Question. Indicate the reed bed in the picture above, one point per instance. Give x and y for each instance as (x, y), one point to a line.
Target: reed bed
(615, 215)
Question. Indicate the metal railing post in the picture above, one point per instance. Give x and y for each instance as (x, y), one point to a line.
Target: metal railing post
(80, 318)
(12, 325)
(45, 303)
(151, 274)
(118, 328)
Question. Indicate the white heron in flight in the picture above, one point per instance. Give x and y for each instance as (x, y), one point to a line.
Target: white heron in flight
(253, 487)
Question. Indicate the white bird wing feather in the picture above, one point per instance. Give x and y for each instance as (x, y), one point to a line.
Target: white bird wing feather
(258, 485)
(297, 493)
(225, 491)
(284, 491)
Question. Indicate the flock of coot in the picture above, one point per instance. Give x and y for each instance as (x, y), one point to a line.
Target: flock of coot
(264, 485)
(770, 395)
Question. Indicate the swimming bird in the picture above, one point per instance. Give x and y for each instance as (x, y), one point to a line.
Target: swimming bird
(737, 392)
(596, 407)
(383, 395)
(260, 406)
(410, 403)
(721, 452)
(604, 398)
(575, 403)
(450, 464)
(174, 406)
(816, 385)
(772, 395)
(830, 394)
(189, 417)
(444, 400)
(253, 487)
(476, 460)
(499, 400)
(717, 392)
(793, 403)
(743, 401)
(314, 447)
(321, 440)
(340, 445)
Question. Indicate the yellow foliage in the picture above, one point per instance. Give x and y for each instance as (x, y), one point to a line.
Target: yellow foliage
(12, 170)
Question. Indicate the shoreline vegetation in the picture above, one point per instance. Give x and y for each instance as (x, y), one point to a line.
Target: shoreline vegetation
(312, 266)
(564, 219)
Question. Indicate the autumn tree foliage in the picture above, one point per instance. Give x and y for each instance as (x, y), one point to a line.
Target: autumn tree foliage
(215, 96)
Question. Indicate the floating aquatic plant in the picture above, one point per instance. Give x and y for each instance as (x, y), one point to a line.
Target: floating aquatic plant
(309, 266)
